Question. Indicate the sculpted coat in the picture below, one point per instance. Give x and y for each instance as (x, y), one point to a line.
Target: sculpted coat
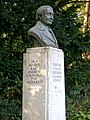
(44, 35)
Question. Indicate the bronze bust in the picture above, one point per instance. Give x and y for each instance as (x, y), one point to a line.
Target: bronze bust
(42, 32)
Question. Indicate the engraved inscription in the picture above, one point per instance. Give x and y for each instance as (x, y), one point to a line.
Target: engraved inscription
(34, 69)
(34, 73)
(57, 73)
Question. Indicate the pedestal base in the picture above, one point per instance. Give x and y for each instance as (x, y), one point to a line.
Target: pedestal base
(43, 84)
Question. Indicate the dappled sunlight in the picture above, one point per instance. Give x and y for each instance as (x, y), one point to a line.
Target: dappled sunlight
(86, 55)
(35, 89)
(42, 72)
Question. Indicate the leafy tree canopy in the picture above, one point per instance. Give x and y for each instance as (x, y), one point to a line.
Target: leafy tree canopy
(16, 18)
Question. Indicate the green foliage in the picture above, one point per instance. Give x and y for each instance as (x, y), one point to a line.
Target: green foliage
(16, 18)
(76, 46)
(76, 110)
(78, 92)
(11, 109)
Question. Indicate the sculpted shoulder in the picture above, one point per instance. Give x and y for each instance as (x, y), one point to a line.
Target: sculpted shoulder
(37, 30)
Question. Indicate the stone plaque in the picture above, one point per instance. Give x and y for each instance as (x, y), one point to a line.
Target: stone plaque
(43, 84)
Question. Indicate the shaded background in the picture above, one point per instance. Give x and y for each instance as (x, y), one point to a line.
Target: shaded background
(16, 18)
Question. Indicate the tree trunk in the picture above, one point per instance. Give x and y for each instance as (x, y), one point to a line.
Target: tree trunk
(85, 26)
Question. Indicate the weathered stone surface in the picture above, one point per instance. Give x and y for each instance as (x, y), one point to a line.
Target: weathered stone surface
(43, 84)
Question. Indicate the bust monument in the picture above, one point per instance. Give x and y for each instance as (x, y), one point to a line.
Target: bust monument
(42, 32)
(43, 72)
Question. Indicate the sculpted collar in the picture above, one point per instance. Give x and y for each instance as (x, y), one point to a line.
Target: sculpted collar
(41, 26)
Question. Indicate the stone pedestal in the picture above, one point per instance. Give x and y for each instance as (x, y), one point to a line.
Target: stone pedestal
(43, 84)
